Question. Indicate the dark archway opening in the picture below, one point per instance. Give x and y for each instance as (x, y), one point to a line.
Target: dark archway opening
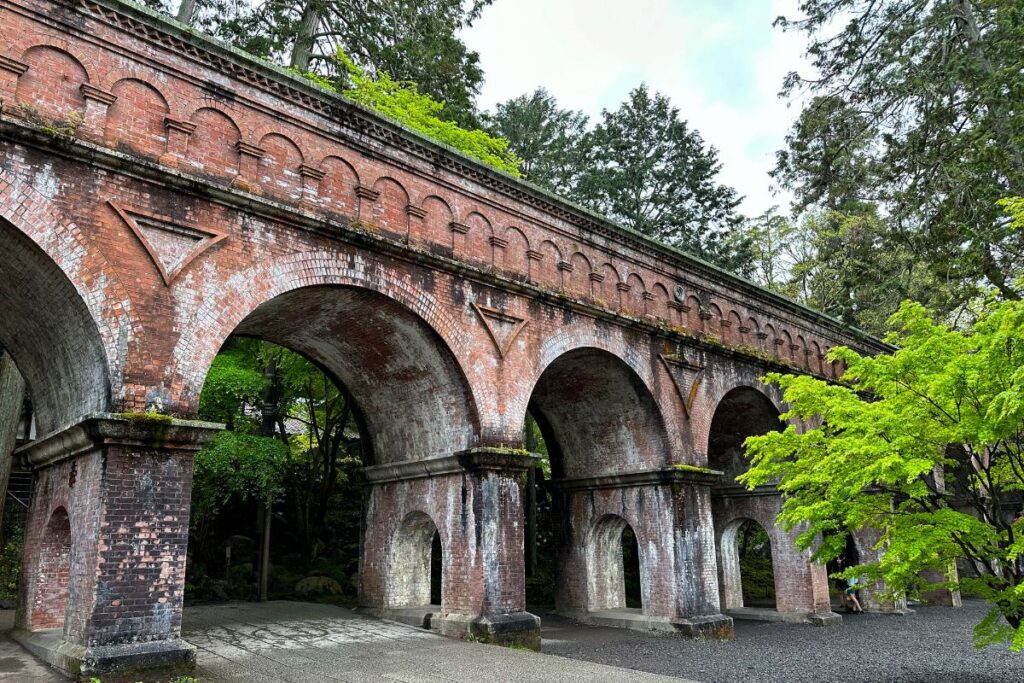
(849, 557)
(631, 568)
(741, 413)
(436, 570)
(416, 577)
(52, 350)
(747, 575)
(590, 415)
(757, 575)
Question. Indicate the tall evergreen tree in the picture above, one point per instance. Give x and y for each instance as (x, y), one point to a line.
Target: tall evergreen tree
(548, 139)
(411, 40)
(647, 169)
(918, 108)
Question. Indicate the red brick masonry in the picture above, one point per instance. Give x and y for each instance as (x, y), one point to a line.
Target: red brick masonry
(160, 192)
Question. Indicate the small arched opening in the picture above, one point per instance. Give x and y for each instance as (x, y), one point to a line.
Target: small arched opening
(53, 573)
(743, 412)
(416, 576)
(614, 576)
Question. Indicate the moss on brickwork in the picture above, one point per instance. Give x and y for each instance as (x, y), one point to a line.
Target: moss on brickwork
(682, 467)
(152, 418)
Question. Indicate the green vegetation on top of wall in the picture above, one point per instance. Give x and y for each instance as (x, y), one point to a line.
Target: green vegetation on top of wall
(403, 103)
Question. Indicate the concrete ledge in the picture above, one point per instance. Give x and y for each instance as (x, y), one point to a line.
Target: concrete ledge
(520, 629)
(711, 627)
(128, 662)
(763, 614)
(420, 617)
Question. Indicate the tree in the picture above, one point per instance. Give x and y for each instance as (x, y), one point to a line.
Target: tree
(648, 170)
(547, 139)
(925, 445)
(264, 391)
(411, 40)
(916, 107)
(825, 163)
(774, 241)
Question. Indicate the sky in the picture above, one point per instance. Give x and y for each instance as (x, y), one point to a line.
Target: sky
(720, 62)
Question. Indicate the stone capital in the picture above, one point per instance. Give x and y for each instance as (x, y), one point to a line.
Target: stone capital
(699, 476)
(133, 430)
(469, 460)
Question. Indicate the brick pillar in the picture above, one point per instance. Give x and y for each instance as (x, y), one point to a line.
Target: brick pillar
(940, 594)
(248, 177)
(10, 70)
(874, 597)
(110, 504)
(178, 134)
(311, 178)
(670, 512)
(474, 500)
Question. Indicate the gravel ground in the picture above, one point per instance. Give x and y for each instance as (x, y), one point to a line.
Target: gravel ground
(933, 645)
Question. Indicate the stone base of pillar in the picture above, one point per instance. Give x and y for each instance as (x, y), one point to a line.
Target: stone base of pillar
(113, 663)
(761, 614)
(420, 617)
(519, 629)
(707, 627)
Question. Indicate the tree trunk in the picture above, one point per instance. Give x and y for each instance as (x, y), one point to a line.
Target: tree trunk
(302, 51)
(186, 11)
(12, 396)
(996, 105)
(268, 423)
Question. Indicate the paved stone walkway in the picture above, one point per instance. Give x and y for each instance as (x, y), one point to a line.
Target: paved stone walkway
(306, 643)
(18, 666)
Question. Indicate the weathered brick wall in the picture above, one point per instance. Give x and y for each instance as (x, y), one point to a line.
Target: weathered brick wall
(145, 94)
(477, 514)
(70, 488)
(143, 535)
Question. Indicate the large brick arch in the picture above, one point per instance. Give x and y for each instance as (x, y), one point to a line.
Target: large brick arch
(719, 382)
(743, 410)
(67, 320)
(593, 396)
(396, 349)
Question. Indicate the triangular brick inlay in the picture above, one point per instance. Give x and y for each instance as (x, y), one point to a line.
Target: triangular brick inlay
(502, 327)
(686, 376)
(170, 245)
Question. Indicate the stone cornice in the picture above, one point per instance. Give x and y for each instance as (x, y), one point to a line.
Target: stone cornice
(137, 431)
(736, 491)
(661, 477)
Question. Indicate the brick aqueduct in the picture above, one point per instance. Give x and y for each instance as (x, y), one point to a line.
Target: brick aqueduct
(160, 192)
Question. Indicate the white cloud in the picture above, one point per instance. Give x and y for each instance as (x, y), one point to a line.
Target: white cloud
(720, 61)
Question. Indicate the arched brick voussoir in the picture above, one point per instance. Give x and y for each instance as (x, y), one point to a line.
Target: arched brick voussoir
(586, 336)
(109, 325)
(718, 382)
(214, 315)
